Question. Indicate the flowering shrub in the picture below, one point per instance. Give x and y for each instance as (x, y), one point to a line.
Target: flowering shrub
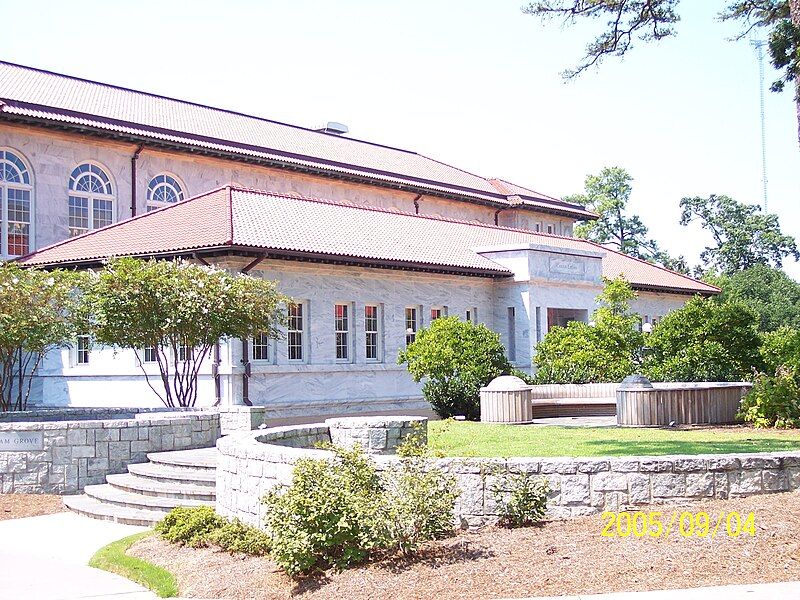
(179, 310)
(39, 311)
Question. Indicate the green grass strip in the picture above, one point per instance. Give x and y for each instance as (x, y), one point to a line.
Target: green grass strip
(112, 558)
(463, 438)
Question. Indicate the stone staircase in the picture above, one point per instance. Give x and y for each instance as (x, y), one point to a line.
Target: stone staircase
(148, 491)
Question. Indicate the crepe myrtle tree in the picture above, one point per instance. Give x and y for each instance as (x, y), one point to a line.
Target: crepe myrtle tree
(39, 311)
(178, 311)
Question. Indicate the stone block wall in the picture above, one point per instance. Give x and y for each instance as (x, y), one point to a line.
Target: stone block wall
(241, 418)
(585, 486)
(252, 463)
(376, 435)
(78, 453)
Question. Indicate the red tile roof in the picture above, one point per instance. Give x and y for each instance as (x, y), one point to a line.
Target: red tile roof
(294, 226)
(51, 98)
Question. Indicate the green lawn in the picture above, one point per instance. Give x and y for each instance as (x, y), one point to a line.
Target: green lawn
(460, 438)
(114, 559)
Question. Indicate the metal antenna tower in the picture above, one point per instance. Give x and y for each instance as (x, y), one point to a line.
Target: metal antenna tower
(759, 46)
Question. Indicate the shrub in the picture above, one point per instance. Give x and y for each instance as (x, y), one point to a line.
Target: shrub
(705, 340)
(420, 499)
(781, 348)
(234, 536)
(605, 351)
(338, 512)
(774, 401)
(189, 526)
(521, 500)
(457, 358)
(39, 312)
(330, 516)
(200, 526)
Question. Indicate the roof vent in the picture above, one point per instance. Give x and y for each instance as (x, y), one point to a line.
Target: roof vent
(334, 128)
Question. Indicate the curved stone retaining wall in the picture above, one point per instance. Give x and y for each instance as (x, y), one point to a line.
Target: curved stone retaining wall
(62, 451)
(252, 463)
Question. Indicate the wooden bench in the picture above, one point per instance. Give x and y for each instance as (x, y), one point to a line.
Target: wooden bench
(574, 400)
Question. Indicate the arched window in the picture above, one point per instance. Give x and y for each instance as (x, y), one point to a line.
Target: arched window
(163, 190)
(15, 205)
(91, 199)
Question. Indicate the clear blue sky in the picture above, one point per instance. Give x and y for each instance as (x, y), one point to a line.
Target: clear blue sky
(474, 84)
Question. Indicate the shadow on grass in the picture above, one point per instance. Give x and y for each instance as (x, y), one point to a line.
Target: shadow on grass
(614, 447)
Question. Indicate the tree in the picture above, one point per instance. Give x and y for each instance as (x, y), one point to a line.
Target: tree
(39, 311)
(771, 293)
(606, 350)
(651, 20)
(457, 358)
(743, 236)
(705, 340)
(608, 194)
(178, 311)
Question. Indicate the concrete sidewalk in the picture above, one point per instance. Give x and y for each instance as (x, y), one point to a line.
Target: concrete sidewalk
(45, 558)
(760, 591)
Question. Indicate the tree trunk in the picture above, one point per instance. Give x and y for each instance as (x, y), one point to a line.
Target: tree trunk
(794, 9)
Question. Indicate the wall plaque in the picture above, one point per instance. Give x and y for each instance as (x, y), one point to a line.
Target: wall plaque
(567, 266)
(21, 441)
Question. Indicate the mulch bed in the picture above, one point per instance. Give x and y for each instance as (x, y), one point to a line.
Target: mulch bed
(17, 506)
(559, 557)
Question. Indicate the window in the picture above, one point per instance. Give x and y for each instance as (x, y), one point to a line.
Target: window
(260, 347)
(372, 332)
(184, 353)
(537, 227)
(15, 205)
(471, 315)
(91, 199)
(549, 229)
(163, 190)
(411, 324)
(82, 350)
(341, 314)
(149, 355)
(294, 337)
(437, 312)
(512, 334)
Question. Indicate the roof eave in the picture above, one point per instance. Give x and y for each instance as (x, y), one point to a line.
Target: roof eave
(644, 287)
(279, 254)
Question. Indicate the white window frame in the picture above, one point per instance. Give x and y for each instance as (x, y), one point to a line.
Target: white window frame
(442, 310)
(270, 350)
(411, 323)
(145, 350)
(91, 197)
(377, 332)
(79, 352)
(170, 181)
(302, 332)
(343, 329)
(26, 184)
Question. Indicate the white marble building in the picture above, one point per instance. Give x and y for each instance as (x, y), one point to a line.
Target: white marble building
(392, 237)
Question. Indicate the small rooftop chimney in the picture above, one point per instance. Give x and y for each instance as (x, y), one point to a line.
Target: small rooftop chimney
(334, 128)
